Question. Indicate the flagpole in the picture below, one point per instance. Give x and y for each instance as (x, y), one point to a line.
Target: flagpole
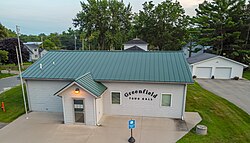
(21, 79)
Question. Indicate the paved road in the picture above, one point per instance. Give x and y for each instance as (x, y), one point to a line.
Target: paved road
(235, 91)
(8, 82)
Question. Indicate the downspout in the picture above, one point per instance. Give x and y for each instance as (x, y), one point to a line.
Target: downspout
(28, 94)
(184, 102)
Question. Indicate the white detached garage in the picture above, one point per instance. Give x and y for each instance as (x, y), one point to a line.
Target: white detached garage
(207, 65)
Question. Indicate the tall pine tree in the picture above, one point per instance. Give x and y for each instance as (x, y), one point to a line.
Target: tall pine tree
(219, 23)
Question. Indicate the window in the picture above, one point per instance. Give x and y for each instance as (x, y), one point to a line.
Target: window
(35, 50)
(166, 100)
(115, 97)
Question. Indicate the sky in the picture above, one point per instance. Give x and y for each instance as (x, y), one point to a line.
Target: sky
(48, 16)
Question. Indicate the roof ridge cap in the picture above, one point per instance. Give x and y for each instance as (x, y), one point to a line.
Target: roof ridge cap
(88, 73)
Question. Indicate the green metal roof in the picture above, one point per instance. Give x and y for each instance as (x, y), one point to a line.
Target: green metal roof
(112, 66)
(92, 86)
(87, 83)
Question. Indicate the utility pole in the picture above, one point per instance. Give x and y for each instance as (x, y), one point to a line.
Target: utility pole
(21, 79)
(42, 41)
(75, 41)
(17, 32)
(83, 44)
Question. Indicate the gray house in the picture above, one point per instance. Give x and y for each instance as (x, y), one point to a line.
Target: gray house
(34, 51)
(85, 85)
(197, 49)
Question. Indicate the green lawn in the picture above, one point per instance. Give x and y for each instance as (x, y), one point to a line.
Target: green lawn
(14, 106)
(4, 75)
(15, 67)
(226, 122)
(246, 74)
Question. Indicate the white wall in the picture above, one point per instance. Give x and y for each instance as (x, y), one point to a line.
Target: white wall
(41, 95)
(35, 55)
(141, 107)
(68, 105)
(142, 46)
(43, 53)
(237, 70)
(41, 98)
(99, 108)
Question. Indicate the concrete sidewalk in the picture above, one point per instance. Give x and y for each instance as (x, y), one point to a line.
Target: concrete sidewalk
(48, 128)
(3, 124)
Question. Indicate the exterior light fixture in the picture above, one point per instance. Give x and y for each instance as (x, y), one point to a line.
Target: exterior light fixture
(77, 90)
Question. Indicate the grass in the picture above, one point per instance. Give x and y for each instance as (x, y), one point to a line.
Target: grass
(4, 75)
(246, 74)
(14, 106)
(226, 122)
(15, 67)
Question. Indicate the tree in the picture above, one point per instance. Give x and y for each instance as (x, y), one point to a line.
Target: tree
(105, 23)
(49, 45)
(10, 45)
(30, 38)
(219, 23)
(3, 56)
(163, 26)
(55, 38)
(3, 32)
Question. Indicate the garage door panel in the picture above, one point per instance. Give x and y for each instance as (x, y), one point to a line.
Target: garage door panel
(203, 72)
(222, 72)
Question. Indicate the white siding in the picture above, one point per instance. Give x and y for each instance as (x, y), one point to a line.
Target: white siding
(69, 114)
(41, 95)
(141, 107)
(218, 62)
(99, 108)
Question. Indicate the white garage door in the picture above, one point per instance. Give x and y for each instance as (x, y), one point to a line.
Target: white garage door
(222, 72)
(203, 72)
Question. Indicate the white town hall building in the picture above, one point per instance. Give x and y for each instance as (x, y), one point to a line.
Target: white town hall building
(85, 85)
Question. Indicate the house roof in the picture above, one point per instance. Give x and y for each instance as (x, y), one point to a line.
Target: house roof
(136, 41)
(200, 57)
(32, 46)
(112, 66)
(87, 83)
(30, 51)
(134, 48)
(36, 43)
(206, 56)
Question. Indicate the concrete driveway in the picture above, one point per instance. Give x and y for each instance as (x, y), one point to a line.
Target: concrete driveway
(8, 82)
(235, 91)
(48, 128)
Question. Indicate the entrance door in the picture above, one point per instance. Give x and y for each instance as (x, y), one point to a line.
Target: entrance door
(79, 111)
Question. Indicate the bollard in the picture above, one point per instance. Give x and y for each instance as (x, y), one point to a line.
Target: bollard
(201, 129)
